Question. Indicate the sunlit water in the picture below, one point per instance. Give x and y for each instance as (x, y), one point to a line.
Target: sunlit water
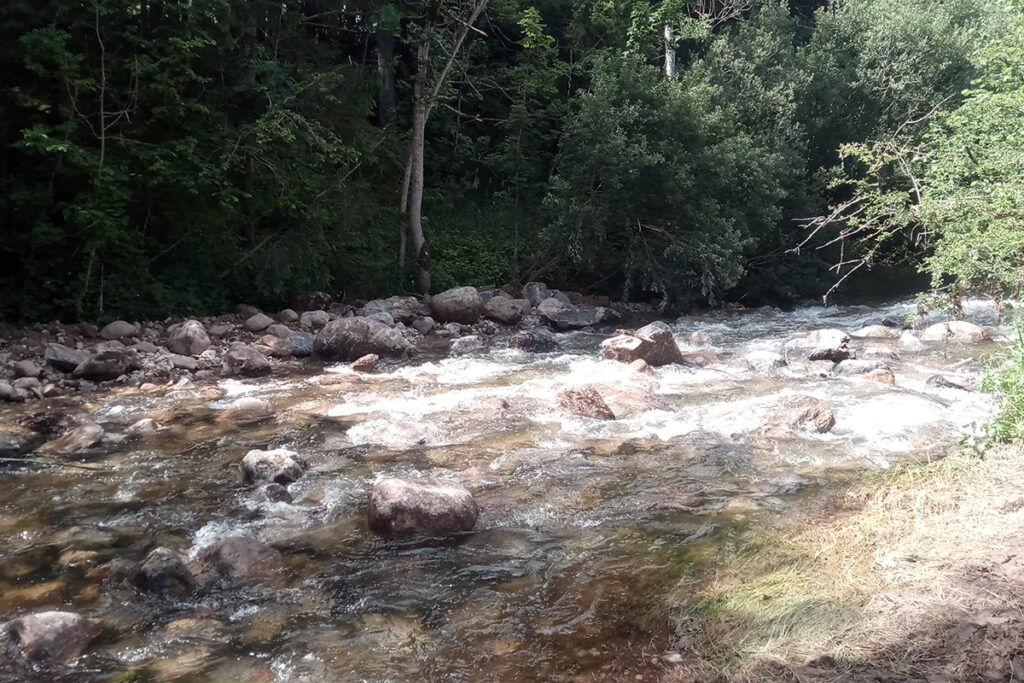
(589, 536)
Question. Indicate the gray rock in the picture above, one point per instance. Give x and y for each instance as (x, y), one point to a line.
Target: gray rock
(188, 339)
(505, 310)
(585, 401)
(11, 394)
(314, 320)
(51, 638)
(420, 507)
(551, 306)
(850, 367)
(424, 325)
(246, 310)
(184, 362)
(278, 465)
(145, 347)
(288, 316)
(164, 571)
(143, 427)
(220, 329)
(572, 318)
(879, 353)
(118, 330)
(347, 339)
(278, 330)
(910, 342)
(64, 358)
(245, 360)
(464, 345)
(241, 560)
(80, 438)
(535, 292)
(947, 383)
(382, 317)
(302, 344)
(27, 368)
(457, 305)
(106, 366)
(258, 322)
(537, 340)
(765, 362)
(957, 331)
(246, 411)
(403, 309)
(559, 296)
(829, 344)
(275, 346)
(654, 343)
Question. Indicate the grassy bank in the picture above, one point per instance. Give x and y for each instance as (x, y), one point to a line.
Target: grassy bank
(916, 574)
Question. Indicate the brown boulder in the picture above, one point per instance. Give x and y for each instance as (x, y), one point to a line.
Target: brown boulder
(653, 343)
(247, 410)
(585, 401)
(48, 638)
(420, 507)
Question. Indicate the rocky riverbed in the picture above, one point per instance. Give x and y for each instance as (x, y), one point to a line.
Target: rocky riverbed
(497, 486)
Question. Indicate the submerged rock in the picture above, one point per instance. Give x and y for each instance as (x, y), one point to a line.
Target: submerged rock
(457, 305)
(420, 507)
(873, 332)
(247, 410)
(240, 560)
(78, 439)
(831, 345)
(947, 383)
(585, 401)
(881, 375)
(164, 571)
(348, 339)
(465, 345)
(653, 343)
(278, 465)
(48, 638)
(852, 366)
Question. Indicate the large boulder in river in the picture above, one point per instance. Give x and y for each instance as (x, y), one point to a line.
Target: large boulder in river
(765, 362)
(402, 309)
(348, 339)
(457, 305)
(505, 310)
(830, 345)
(585, 401)
(537, 340)
(188, 338)
(653, 343)
(801, 413)
(241, 560)
(64, 358)
(278, 465)
(571, 318)
(51, 638)
(420, 507)
(956, 331)
(246, 360)
(164, 571)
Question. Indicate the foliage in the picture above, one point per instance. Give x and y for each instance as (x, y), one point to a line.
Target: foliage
(1005, 379)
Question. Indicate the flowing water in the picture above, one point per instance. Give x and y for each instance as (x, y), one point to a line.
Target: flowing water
(591, 534)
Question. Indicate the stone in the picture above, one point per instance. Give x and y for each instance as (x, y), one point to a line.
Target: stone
(27, 368)
(537, 340)
(145, 347)
(246, 310)
(36, 595)
(240, 560)
(420, 507)
(457, 305)
(188, 339)
(278, 465)
(347, 339)
(49, 638)
(700, 338)
(276, 346)
(118, 330)
(765, 362)
(288, 316)
(535, 292)
(276, 493)
(701, 359)
(881, 375)
(302, 344)
(947, 383)
(873, 332)
(258, 322)
(382, 317)
(585, 401)
(570, 317)
(164, 571)
(143, 427)
(278, 330)
(424, 325)
(9, 393)
(654, 343)
(220, 329)
(466, 345)
(402, 309)
(64, 358)
(506, 311)
(641, 366)
(551, 306)
(851, 366)
(246, 411)
(367, 363)
(76, 440)
(245, 360)
(314, 320)
(807, 413)
(184, 362)
(831, 344)
(106, 366)
(559, 296)
(956, 331)
(910, 342)
(879, 353)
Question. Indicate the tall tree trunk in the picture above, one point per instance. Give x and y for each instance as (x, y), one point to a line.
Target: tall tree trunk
(386, 70)
(419, 126)
(670, 53)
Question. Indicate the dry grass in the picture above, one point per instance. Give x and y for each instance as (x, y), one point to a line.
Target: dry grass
(876, 586)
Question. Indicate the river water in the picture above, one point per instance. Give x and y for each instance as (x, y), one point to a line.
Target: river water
(592, 534)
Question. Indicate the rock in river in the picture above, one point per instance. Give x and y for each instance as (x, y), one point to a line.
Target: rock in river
(247, 410)
(420, 507)
(457, 305)
(956, 331)
(654, 343)
(348, 339)
(278, 465)
(48, 638)
(585, 401)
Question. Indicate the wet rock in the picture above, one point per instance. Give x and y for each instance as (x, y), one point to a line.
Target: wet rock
(571, 317)
(641, 366)
(881, 375)
(106, 366)
(700, 339)
(806, 413)
(701, 359)
(118, 330)
(64, 358)
(465, 345)
(424, 325)
(314, 320)
(278, 330)
(183, 362)
(653, 343)
(275, 346)
(873, 332)
(247, 410)
(302, 344)
(402, 309)
(765, 362)
(76, 440)
(27, 368)
(910, 342)
(585, 401)
(276, 493)
(535, 292)
(279, 465)
(420, 507)
(457, 305)
(851, 367)
(288, 316)
(143, 427)
(258, 322)
(947, 383)
(505, 310)
(188, 339)
(537, 340)
(240, 560)
(879, 353)
(831, 345)
(164, 571)
(246, 361)
(49, 638)
(956, 331)
(367, 363)
(31, 597)
(347, 339)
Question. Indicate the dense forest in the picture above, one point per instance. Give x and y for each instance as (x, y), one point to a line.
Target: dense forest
(179, 156)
